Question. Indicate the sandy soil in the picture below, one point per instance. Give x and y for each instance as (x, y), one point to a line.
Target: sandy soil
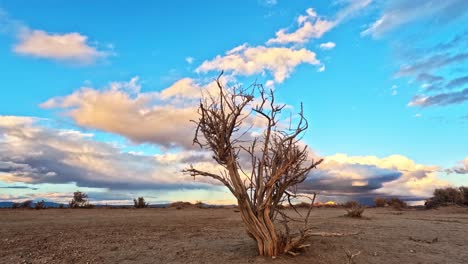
(217, 236)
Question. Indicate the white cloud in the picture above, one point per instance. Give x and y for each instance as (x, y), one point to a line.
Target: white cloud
(189, 60)
(312, 26)
(72, 47)
(268, 2)
(327, 45)
(160, 118)
(245, 60)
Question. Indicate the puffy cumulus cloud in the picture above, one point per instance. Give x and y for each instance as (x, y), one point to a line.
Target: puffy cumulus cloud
(361, 176)
(440, 99)
(245, 60)
(311, 26)
(161, 118)
(401, 12)
(72, 47)
(327, 45)
(32, 153)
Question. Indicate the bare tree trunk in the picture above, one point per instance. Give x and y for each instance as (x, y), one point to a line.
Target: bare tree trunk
(260, 228)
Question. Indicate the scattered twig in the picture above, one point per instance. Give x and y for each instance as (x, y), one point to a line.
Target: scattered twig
(332, 234)
(351, 256)
(434, 240)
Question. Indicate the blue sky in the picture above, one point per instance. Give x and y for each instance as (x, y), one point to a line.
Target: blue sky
(105, 91)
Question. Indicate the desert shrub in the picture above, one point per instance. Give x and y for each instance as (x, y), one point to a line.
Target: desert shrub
(396, 203)
(464, 192)
(447, 196)
(61, 206)
(26, 204)
(140, 203)
(80, 201)
(15, 205)
(380, 202)
(40, 205)
(199, 204)
(302, 205)
(354, 209)
(180, 205)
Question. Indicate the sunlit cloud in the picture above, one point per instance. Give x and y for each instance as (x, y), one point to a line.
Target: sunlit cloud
(72, 47)
(312, 26)
(246, 60)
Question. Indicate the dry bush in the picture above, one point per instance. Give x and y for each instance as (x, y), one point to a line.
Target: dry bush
(40, 205)
(464, 192)
(181, 205)
(61, 206)
(275, 161)
(80, 200)
(140, 203)
(397, 204)
(25, 204)
(15, 205)
(354, 209)
(380, 202)
(303, 205)
(448, 196)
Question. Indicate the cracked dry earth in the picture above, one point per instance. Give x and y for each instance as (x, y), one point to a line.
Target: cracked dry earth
(217, 236)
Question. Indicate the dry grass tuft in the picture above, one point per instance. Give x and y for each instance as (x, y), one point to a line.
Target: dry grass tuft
(354, 209)
(40, 205)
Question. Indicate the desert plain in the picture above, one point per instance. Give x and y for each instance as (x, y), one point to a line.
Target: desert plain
(194, 235)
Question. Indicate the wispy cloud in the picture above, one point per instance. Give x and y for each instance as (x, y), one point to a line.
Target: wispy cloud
(400, 12)
(440, 99)
(328, 45)
(311, 25)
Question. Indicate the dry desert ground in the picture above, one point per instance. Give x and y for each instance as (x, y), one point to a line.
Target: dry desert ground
(195, 235)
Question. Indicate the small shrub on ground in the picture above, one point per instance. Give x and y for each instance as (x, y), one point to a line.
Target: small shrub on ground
(302, 205)
(80, 201)
(140, 203)
(61, 206)
(181, 205)
(354, 209)
(380, 202)
(26, 204)
(397, 204)
(15, 205)
(40, 205)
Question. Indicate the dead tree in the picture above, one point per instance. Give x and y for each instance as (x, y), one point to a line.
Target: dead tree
(276, 161)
